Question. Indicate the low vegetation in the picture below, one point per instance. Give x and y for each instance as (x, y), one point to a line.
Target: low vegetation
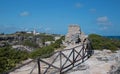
(30, 43)
(9, 57)
(100, 42)
(47, 50)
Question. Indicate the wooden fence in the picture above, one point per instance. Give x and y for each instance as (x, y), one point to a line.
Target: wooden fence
(63, 61)
(76, 56)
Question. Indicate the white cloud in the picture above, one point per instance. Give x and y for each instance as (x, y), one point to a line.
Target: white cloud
(79, 5)
(103, 21)
(92, 10)
(25, 13)
(103, 28)
(47, 29)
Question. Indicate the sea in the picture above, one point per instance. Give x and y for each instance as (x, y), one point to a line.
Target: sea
(113, 37)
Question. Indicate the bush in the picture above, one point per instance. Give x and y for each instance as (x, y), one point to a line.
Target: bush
(10, 57)
(46, 51)
(100, 42)
(45, 37)
(30, 44)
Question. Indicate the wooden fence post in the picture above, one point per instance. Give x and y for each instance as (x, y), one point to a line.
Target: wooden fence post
(83, 53)
(73, 56)
(60, 62)
(39, 69)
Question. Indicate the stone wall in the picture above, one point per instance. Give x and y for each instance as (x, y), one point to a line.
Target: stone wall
(74, 35)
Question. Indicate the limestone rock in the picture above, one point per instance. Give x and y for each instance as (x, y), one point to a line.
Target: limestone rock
(74, 35)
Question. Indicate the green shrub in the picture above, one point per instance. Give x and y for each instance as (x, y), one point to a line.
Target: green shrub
(46, 51)
(100, 42)
(10, 57)
(30, 44)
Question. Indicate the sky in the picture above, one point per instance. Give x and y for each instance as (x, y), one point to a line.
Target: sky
(54, 16)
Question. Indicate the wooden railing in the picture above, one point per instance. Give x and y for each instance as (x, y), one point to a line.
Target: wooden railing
(62, 61)
(76, 56)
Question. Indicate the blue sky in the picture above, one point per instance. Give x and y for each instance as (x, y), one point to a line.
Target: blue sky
(54, 16)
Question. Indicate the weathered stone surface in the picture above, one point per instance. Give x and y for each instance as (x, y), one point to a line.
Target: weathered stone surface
(115, 69)
(74, 35)
(106, 65)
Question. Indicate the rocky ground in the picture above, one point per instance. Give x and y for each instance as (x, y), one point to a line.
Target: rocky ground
(101, 62)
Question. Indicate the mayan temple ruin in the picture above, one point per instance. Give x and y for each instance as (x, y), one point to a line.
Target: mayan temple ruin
(74, 35)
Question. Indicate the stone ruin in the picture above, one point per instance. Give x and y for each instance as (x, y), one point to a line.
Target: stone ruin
(74, 35)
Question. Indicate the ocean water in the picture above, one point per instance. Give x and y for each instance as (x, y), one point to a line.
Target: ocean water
(113, 37)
